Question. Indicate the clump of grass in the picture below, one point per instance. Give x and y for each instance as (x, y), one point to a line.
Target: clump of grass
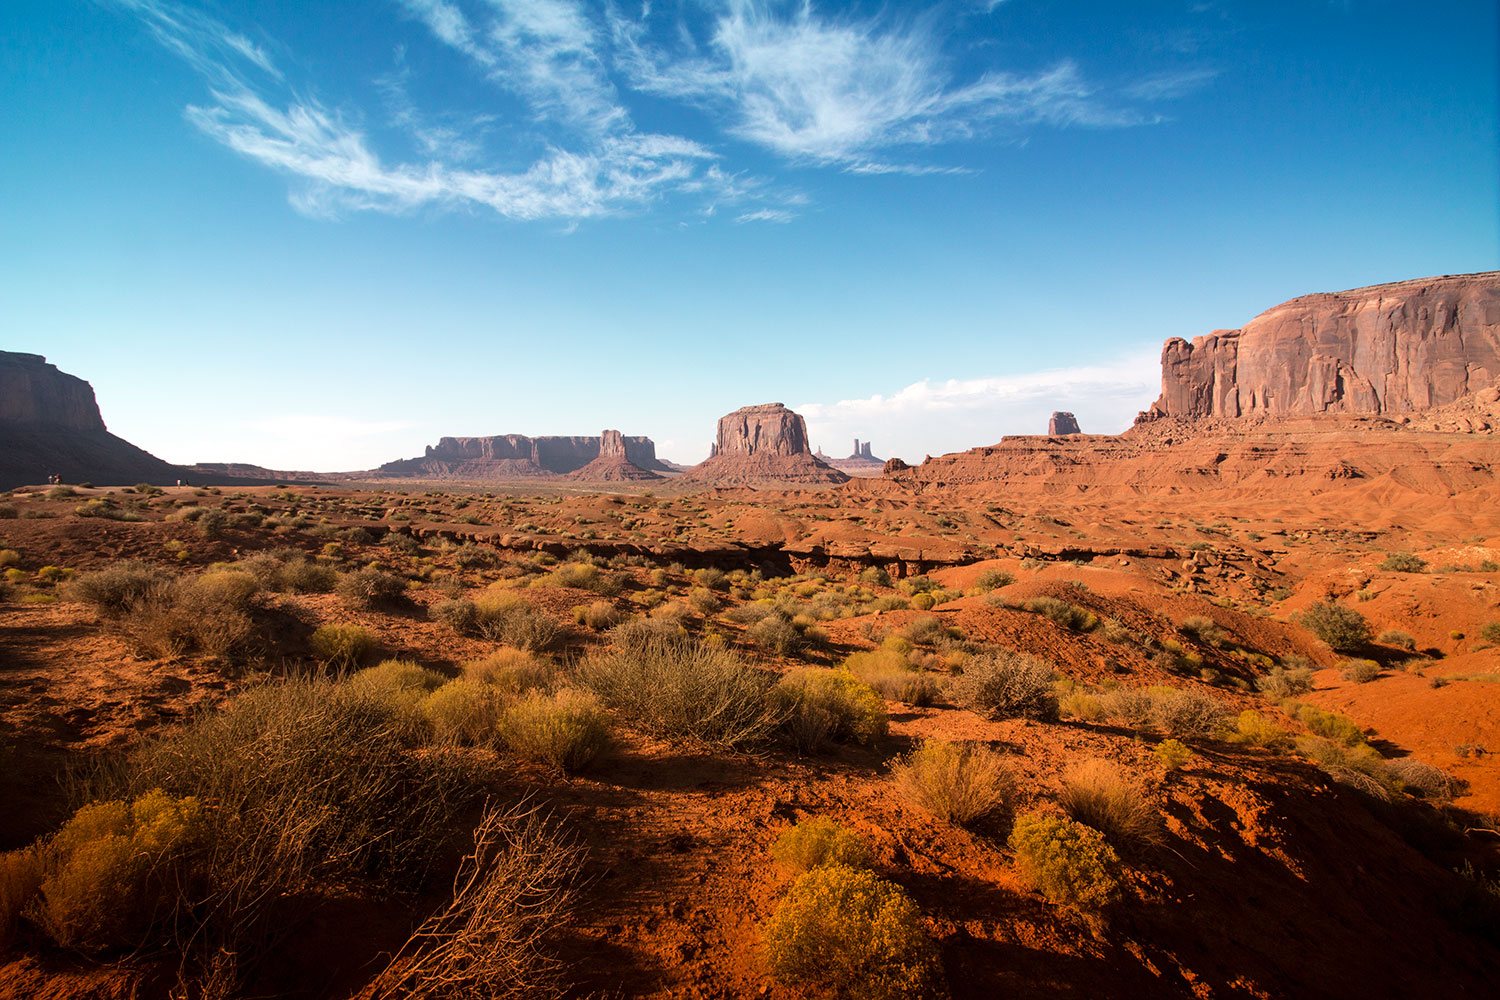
(682, 690)
(1172, 753)
(1357, 765)
(957, 782)
(1399, 639)
(507, 617)
(564, 731)
(1252, 728)
(1283, 682)
(819, 842)
(115, 589)
(463, 712)
(582, 576)
(1329, 725)
(1343, 629)
(993, 579)
(371, 588)
(776, 634)
(1360, 671)
(1097, 793)
(816, 705)
(1006, 684)
(600, 616)
(1204, 629)
(1066, 861)
(342, 647)
(1069, 616)
(512, 672)
(891, 673)
(400, 684)
(846, 932)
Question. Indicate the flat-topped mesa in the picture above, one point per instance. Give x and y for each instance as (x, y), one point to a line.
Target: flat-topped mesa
(1062, 424)
(763, 445)
(1403, 347)
(504, 456)
(34, 392)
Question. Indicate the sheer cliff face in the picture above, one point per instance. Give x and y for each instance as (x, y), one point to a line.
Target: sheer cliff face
(34, 392)
(1397, 348)
(559, 455)
(769, 429)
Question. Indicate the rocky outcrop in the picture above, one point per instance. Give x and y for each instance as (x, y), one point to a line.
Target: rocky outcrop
(50, 425)
(1061, 424)
(764, 445)
(613, 463)
(517, 456)
(1404, 347)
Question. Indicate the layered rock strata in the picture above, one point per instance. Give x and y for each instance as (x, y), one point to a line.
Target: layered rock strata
(763, 445)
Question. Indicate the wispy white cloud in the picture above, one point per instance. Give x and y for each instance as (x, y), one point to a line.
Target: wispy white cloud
(1170, 85)
(780, 215)
(839, 91)
(954, 414)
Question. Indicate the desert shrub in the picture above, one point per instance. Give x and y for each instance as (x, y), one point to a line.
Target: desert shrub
(506, 617)
(342, 647)
(1004, 684)
(994, 579)
(212, 522)
(847, 932)
(957, 782)
(21, 875)
(819, 842)
(599, 616)
(112, 590)
(400, 684)
(1357, 765)
(399, 541)
(582, 576)
(1069, 616)
(1097, 793)
(713, 579)
(115, 869)
(456, 613)
(1399, 639)
(704, 601)
(1360, 671)
(1254, 729)
(1423, 780)
(817, 705)
(1403, 562)
(1490, 632)
(1282, 682)
(1067, 862)
(510, 893)
(775, 634)
(300, 575)
(512, 672)
(471, 556)
(928, 630)
(1344, 629)
(874, 576)
(9, 512)
(682, 690)
(923, 601)
(746, 614)
(889, 672)
(1173, 754)
(1329, 725)
(564, 731)
(1074, 702)
(639, 634)
(1204, 629)
(1177, 712)
(370, 588)
(463, 711)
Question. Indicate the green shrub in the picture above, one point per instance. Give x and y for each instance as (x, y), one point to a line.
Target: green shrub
(401, 684)
(1490, 632)
(342, 647)
(1403, 562)
(681, 690)
(1097, 794)
(1204, 629)
(1329, 725)
(957, 782)
(1357, 765)
(923, 601)
(1251, 728)
(1067, 862)
(1360, 671)
(1400, 639)
(993, 579)
(463, 711)
(600, 616)
(846, 932)
(1344, 629)
(819, 842)
(1005, 684)
(582, 576)
(928, 630)
(112, 590)
(1173, 754)
(116, 868)
(506, 617)
(1069, 616)
(890, 673)
(370, 588)
(456, 613)
(776, 634)
(817, 705)
(1282, 682)
(563, 731)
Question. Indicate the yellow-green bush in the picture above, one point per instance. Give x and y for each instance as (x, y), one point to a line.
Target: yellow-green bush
(959, 782)
(1066, 861)
(401, 684)
(512, 672)
(116, 868)
(342, 646)
(1254, 729)
(463, 711)
(892, 674)
(850, 933)
(1069, 616)
(817, 705)
(1329, 725)
(1172, 754)
(565, 731)
(505, 616)
(819, 842)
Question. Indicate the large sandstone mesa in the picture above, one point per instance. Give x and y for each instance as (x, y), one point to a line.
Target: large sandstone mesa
(511, 456)
(763, 445)
(50, 425)
(1397, 348)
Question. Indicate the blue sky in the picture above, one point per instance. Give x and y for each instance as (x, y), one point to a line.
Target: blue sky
(319, 236)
